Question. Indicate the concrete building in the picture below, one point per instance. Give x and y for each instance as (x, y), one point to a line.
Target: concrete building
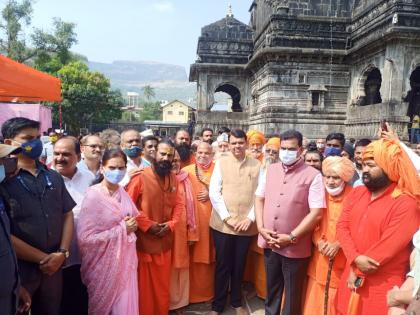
(314, 65)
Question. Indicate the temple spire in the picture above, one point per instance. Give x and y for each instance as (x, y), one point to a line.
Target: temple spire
(229, 11)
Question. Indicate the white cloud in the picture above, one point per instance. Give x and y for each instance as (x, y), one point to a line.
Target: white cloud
(164, 6)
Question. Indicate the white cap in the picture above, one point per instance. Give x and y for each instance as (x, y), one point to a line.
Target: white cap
(223, 138)
(147, 132)
(6, 149)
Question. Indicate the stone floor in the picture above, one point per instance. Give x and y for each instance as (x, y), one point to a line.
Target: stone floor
(254, 304)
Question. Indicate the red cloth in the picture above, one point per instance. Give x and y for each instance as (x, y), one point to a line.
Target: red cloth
(381, 229)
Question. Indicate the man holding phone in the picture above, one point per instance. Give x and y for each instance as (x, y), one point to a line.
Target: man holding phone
(376, 227)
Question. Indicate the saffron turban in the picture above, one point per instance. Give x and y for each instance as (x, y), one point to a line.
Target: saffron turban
(394, 161)
(342, 166)
(255, 137)
(273, 142)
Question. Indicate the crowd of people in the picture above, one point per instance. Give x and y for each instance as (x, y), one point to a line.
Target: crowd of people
(134, 224)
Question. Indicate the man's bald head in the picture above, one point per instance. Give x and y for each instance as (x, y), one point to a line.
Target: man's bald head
(205, 146)
(204, 154)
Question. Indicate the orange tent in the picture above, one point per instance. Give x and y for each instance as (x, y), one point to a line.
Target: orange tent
(20, 83)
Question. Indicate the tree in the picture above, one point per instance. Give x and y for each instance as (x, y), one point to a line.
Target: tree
(151, 111)
(12, 42)
(47, 51)
(53, 48)
(148, 92)
(87, 97)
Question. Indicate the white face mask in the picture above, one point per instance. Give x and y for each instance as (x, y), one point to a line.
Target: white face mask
(288, 157)
(335, 191)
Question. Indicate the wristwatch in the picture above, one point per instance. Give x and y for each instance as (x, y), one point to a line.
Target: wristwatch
(65, 252)
(293, 238)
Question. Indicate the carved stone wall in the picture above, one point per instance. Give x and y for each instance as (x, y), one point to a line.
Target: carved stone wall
(304, 63)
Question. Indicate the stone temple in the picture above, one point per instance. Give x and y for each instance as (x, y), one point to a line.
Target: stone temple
(314, 65)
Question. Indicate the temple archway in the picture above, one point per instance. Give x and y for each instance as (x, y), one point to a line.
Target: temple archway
(234, 93)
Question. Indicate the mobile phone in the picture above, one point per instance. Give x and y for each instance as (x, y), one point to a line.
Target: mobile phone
(384, 127)
(359, 282)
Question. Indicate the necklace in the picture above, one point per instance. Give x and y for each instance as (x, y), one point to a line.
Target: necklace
(202, 179)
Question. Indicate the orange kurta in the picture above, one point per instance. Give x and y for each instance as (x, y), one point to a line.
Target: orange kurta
(179, 285)
(160, 201)
(318, 266)
(190, 161)
(382, 229)
(202, 254)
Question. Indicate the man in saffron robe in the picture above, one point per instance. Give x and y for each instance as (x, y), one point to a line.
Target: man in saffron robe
(255, 269)
(202, 255)
(184, 233)
(377, 223)
(338, 172)
(156, 192)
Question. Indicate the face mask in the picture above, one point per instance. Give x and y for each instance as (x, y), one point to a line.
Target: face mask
(114, 176)
(32, 149)
(132, 152)
(288, 157)
(335, 191)
(331, 151)
(2, 173)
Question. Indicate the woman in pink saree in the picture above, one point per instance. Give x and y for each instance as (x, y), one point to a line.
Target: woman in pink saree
(107, 242)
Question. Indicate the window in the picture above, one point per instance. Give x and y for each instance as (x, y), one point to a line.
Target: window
(181, 113)
(301, 78)
(315, 98)
(170, 112)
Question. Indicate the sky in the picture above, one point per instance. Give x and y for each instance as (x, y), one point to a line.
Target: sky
(149, 30)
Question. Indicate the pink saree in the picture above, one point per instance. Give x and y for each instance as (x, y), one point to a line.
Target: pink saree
(109, 259)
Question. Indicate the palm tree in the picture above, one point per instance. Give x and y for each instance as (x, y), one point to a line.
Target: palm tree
(148, 92)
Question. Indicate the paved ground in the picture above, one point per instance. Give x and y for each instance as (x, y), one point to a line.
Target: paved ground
(254, 304)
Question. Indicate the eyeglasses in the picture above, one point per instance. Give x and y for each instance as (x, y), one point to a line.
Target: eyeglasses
(268, 151)
(94, 146)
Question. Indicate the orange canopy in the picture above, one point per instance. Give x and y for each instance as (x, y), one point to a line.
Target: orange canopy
(20, 83)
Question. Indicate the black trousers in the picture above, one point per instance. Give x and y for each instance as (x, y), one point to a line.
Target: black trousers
(288, 274)
(231, 253)
(46, 294)
(75, 296)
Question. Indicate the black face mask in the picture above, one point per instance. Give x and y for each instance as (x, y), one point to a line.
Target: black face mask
(163, 168)
(184, 151)
(374, 184)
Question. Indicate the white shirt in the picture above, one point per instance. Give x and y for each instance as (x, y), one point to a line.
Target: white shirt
(77, 187)
(130, 166)
(216, 198)
(316, 195)
(83, 167)
(412, 155)
(48, 151)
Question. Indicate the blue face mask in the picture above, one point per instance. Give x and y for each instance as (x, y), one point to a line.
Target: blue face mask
(132, 152)
(114, 176)
(2, 173)
(331, 151)
(32, 149)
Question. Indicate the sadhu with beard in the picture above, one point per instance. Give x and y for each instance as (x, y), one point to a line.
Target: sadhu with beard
(255, 269)
(202, 254)
(156, 192)
(256, 141)
(183, 146)
(377, 223)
